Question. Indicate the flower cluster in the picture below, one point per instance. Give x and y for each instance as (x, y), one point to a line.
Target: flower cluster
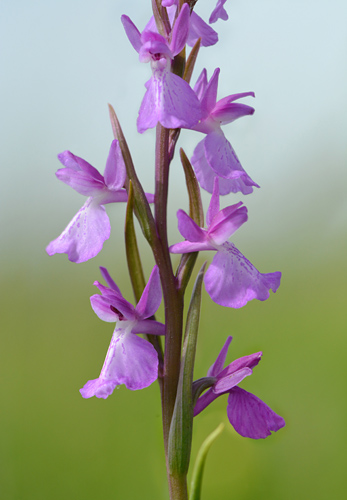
(171, 104)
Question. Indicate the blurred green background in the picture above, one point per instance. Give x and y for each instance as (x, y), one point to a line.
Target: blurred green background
(61, 62)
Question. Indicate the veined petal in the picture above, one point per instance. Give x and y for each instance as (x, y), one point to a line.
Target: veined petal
(206, 176)
(206, 399)
(76, 163)
(224, 384)
(249, 361)
(218, 365)
(132, 33)
(189, 229)
(209, 98)
(179, 107)
(80, 181)
(227, 222)
(221, 157)
(180, 30)
(149, 111)
(199, 29)
(231, 280)
(130, 360)
(84, 237)
(151, 296)
(115, 171)
(201, 84)
(231, 112)
(250, 416)
(99, 388)
(219, 12)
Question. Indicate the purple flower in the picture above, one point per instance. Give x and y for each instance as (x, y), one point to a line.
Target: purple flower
(197, 26)
(130, 360)
(168, 100)
(249, 416)
(231, 280)
(84, 236)
(219, 12)
(214, 156)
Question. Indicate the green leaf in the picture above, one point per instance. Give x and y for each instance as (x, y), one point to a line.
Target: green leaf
(188, 71)
(141, 205)
(187, 262)
(180, 437)
(132, 252)
(196, 482)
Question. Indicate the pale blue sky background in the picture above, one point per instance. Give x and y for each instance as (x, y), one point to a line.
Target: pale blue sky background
(62, 62)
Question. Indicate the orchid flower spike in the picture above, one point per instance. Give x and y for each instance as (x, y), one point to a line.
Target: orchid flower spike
(249, 416)
(169, 99)
(84, 237)
(130, 360)
(214, 155)
(231, 280)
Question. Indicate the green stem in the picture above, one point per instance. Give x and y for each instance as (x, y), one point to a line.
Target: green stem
(173, 303)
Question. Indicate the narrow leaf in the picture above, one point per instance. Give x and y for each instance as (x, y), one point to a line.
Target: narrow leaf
(141, 205)
(132, 252)
(195, 204)
(180, 437)
(196, 483)
(196, 212)
(188, 71)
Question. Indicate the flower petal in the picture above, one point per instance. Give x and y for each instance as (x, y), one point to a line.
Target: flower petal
(107, 277)
(151, 296)
(250, 416)
(249, 361)
(201, 84)
(224, 384)
(98, 387)
(206, 175)
(76, 163)
(149, 109)
(84, 237)
(231, 280)
(199, 29)
(149, 327)
(110, 297)
(221, 157)
(188, 247)
(218, 365)
(189, 229)
(219, 12)
(130, 360)
(180, 30)
(209, 98)
(231, 112)
(179, 107)
(227, 222)
(80, 181)
(132, 33)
